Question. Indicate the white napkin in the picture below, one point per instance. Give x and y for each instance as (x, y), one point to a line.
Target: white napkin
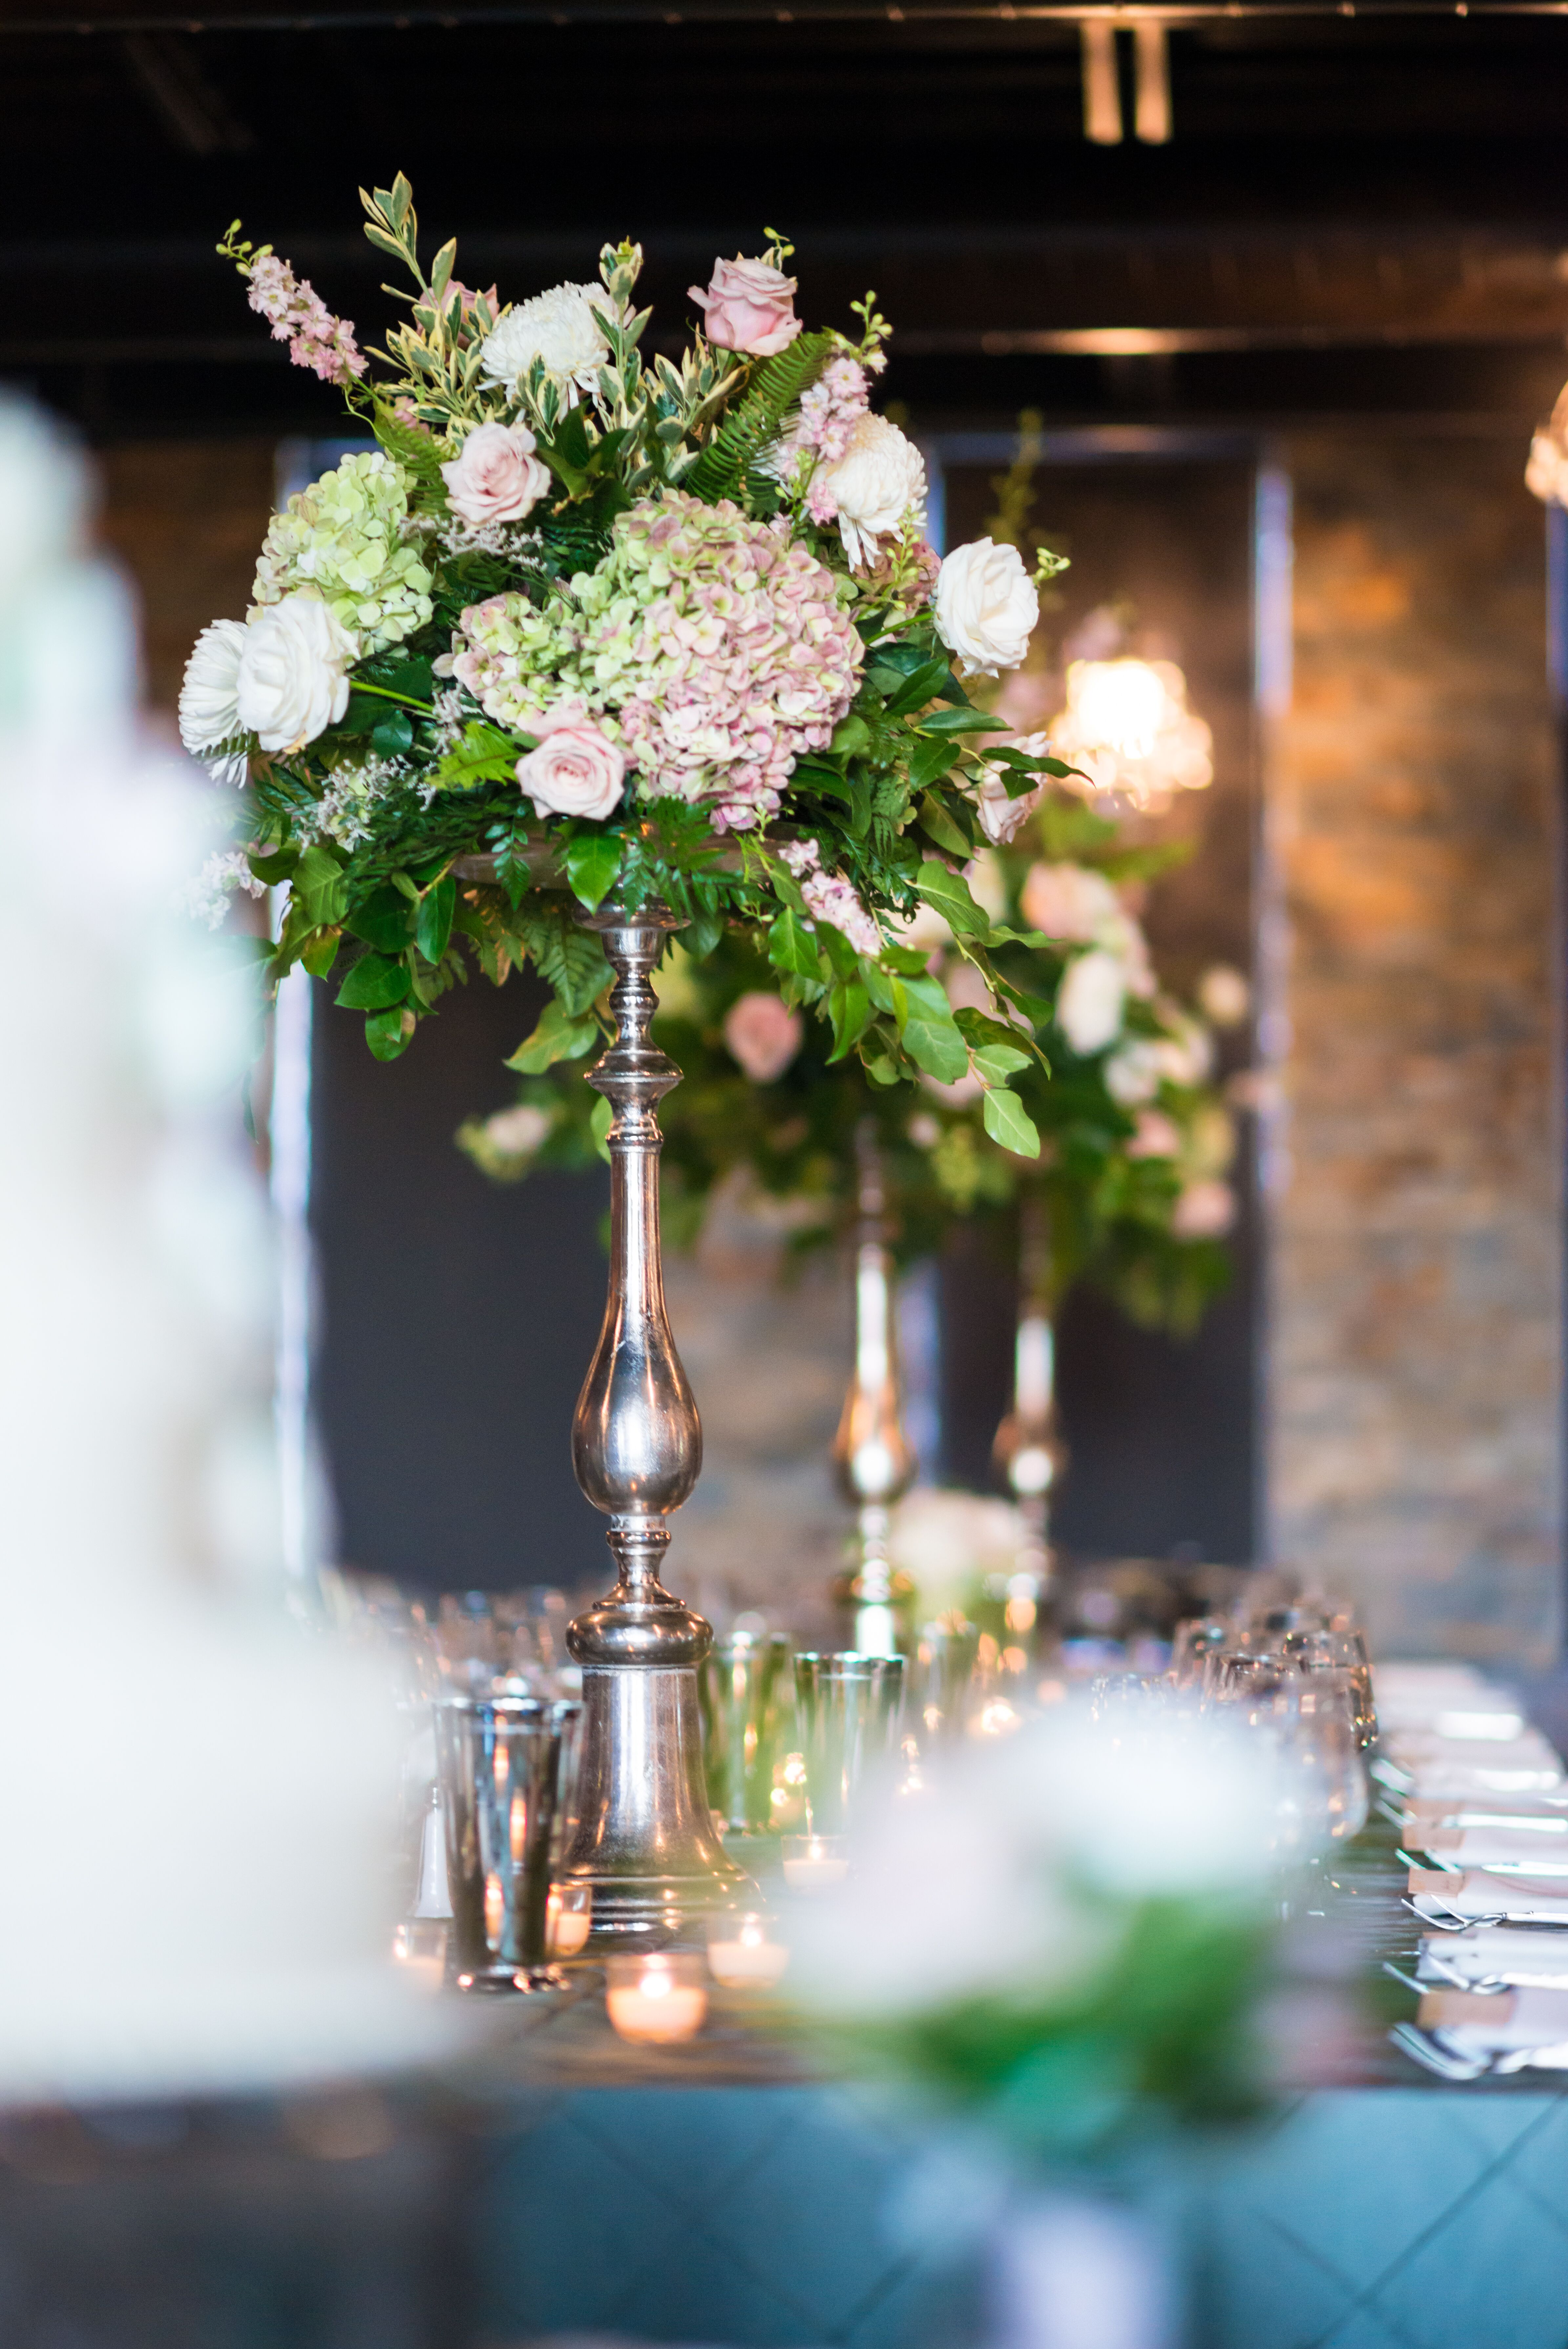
(1533, 2018)
(1480, 1722)
(1421, 1749)
(1496, 1952)
(1537, 1814)
(1442, 1682)
(1537, 1854)
(1462, 1778)
(1523, 1899)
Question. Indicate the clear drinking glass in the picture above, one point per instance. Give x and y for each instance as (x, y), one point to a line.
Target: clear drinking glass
(742, 1682)
(1323, 1780)
(1345, 1651)
(1194, 1641)
(942, 1677)
(848, 1706)
(500, 1762)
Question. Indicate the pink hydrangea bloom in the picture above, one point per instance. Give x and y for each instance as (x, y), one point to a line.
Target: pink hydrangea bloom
(300, 318)
(723, 648)
(830, 898)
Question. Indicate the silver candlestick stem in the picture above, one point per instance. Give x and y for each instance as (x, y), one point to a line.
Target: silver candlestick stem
(645, 1841)
(1028, 1448)
(876, 1464)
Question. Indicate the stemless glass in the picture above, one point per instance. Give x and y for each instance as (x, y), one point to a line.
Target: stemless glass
(848, 1706)
(740, 1683)
(943, 1675)
(500, 1760)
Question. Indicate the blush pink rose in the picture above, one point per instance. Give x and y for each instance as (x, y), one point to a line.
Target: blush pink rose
(495, 476)
(748, 306)
(764, 1036)
(577, 770)
(1157, 1136)
(1204, 1210)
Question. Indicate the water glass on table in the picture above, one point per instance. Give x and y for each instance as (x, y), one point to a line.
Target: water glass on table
(849, 1706)
(500, 1762)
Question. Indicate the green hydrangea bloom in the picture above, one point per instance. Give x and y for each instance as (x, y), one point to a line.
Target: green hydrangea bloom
(343, 538)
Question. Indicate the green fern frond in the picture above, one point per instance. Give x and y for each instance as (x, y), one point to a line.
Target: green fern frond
(756, 419)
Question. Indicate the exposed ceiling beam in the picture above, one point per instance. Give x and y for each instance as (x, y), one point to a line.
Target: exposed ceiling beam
(405, 15)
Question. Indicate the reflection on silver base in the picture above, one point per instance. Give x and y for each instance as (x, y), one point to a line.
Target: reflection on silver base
(645, 1839)
(508, 1982)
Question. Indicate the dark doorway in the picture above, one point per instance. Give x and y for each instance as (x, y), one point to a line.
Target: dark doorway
(1163, 1432)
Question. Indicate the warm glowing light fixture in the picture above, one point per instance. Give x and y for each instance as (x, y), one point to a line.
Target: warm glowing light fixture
(1127, 727)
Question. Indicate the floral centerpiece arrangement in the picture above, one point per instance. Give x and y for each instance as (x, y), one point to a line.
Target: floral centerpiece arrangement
(588, 623)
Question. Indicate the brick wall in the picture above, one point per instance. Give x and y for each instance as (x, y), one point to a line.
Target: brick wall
(1416, 1326)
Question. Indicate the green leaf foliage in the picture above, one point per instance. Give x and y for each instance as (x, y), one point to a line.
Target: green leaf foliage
(593, 866)
(928, 1030)
(374, 984)
(1009, 1122)
(557, 1036)
(756, 420)
(948, 892)
(432, 928)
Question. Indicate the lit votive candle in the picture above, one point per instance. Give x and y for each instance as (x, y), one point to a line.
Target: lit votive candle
(660, 1997)
(744, 1954)
(568, 1919)
(811, 1863)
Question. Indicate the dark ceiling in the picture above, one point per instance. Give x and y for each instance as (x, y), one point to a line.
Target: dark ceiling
(1356, 214)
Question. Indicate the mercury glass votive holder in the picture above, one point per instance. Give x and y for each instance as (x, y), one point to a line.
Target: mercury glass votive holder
(745, 1950)
(657, 1996)
(500, 1760)
(848, 1706)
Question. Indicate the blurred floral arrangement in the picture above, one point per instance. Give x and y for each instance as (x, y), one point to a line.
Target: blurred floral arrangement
(655, 630)
(1066, 1936)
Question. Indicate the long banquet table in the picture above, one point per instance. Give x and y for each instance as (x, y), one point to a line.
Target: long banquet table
(722, 2193)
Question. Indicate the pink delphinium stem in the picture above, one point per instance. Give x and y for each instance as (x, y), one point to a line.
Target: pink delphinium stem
(300, 318)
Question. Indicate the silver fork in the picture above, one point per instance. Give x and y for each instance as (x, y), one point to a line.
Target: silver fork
(1429, 2051)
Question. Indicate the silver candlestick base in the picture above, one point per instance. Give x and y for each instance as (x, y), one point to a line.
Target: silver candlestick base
(645, 1841)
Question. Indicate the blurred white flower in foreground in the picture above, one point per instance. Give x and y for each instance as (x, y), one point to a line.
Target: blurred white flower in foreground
(1017, 1876)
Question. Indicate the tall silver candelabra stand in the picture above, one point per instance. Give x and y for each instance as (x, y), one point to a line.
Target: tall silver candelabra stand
(876, 1464)
(1028, 1447)
(645, 1841)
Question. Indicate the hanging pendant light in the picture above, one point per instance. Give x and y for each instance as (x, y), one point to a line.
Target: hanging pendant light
(1129, 729)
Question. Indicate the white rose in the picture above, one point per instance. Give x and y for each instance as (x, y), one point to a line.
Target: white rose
(876, 485)
(292, 677)
(577, 770)
(517, 1133)
(495, 477)
(1002, 815)
(1133, 1074)
(1068, 901)
(557, 326)
(209, 706)
(1091, 999)
(985, 607)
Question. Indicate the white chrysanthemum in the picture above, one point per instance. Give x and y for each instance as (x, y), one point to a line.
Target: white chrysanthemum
(557, 326)
(878, 485)
(208, 702)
